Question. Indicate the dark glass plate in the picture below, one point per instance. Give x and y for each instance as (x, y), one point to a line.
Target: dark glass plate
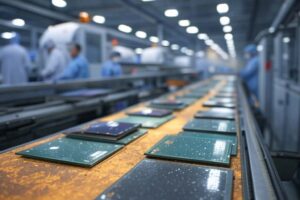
(161, 180)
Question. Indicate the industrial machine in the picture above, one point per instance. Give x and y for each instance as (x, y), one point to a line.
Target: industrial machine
(35, 110)
(279, 94)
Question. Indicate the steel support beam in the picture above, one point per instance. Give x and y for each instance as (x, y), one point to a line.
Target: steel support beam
(23, 5)
(252, 20)
(160, 33)
(283, 12)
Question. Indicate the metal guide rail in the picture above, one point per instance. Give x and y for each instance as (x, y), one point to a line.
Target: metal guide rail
(67, 85)
(261, 180)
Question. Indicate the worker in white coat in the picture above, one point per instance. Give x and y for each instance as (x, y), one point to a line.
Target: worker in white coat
(55, 62)
(14, 62)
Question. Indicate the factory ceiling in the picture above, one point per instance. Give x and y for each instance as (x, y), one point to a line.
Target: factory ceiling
(247, 17)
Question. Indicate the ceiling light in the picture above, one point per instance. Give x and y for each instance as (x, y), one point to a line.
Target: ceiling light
(230, 41)
(209, 42)
(141, 34)
(222, 8)
(214, 47)
(202, 36)
(174, 46)
(184, 22)
(228, 36)
(189, 52)
(271, 30)
(183, 49)
(138, 50)
(224, 20)
(147, 0)
(124, 28)
(18, 22)
(8, 35)
(286, 39)
(227, 29)
(192, 30)
(59, 3)
(99, 19)
(171, 13)
(165, 43)
(260, 48)
(154, 39)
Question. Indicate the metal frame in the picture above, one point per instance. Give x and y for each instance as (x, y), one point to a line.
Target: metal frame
(285, 10)
(65, 85)
(264, 178)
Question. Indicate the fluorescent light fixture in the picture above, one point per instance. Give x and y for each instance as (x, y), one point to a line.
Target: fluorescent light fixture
(171, 13)
(192, 30)
(124, 28)
(59, 3)
(189, 52)
(202, 36)
(260, 48)
(8, 35)
(138, 50)
(147, 0)
(184, 22)
(154, 39)
(165, 43)
(183, 49)
(99, 19)
(228, 36)
(18, 22)
(209, 42)
(222, 8)
(174, 46)
(227, 29)
(224, 20)
(286, 39)
(231, 48)
(215, 47)
(141, 34)
(271, 30)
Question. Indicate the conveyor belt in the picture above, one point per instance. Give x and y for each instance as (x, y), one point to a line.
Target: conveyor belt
(31, 179)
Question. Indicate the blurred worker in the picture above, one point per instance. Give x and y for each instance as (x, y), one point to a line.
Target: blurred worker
(14, 62)
(55, 62)
(250, 72)
(78, 67)
(112, 68)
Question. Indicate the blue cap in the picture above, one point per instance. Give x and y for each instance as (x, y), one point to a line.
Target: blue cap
(251, 48)
(15, 39)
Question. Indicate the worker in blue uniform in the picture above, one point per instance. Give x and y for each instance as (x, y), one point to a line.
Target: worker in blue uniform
(250, 72)
(112, 68)
(55, 62)
(78, 67)
(14, 62)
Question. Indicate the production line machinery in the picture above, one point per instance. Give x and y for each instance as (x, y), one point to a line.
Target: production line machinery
(254, 173)
(35, 110)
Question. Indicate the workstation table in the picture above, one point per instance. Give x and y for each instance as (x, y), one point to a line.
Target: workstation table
(23, 178)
